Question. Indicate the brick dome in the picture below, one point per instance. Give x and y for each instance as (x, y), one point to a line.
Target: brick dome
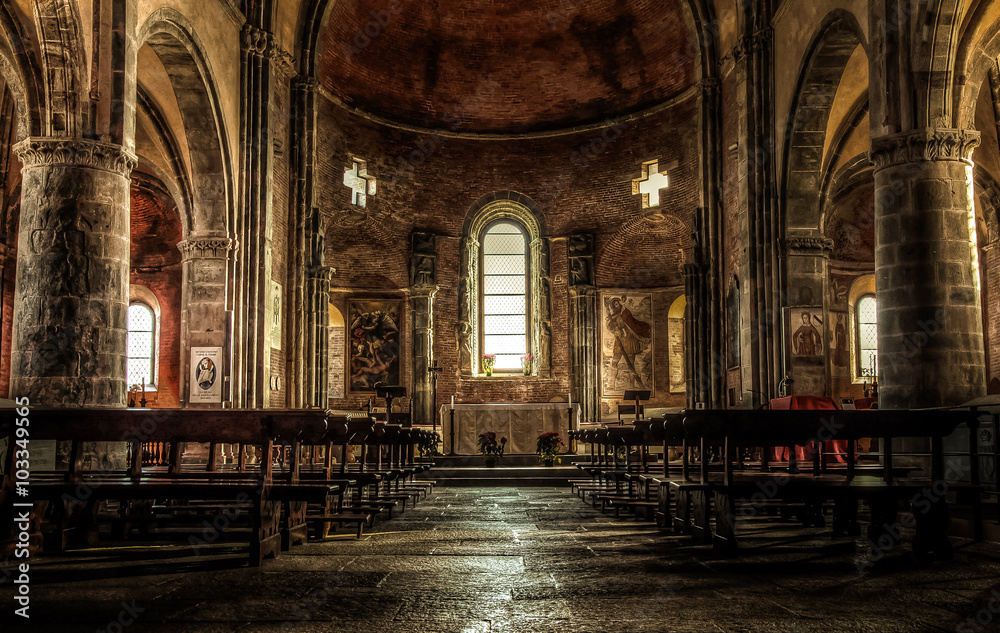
(490, 66)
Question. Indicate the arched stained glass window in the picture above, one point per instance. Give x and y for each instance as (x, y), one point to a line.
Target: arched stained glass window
(867, 336)
(141, 345)
(505, 287)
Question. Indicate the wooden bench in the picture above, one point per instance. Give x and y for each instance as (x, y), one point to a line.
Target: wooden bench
(74, 494)
(883, 494)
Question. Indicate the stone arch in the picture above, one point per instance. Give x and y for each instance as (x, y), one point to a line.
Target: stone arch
(937, 24)
(988, 202)
(27, 111)
(173, 39)
(63, 60)
(489, 208)
(176, 178)
(976, 59)
(825, 62)
(20, 69)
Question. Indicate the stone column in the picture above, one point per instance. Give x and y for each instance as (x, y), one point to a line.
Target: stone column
(422, 393)
(423, 287)
(203, 298)
(808, 259)
(72, 273)
(583, 325)
(930, 335)
(317, 338)
(697, 354)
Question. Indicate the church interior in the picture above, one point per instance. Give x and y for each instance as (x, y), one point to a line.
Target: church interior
(575, 315)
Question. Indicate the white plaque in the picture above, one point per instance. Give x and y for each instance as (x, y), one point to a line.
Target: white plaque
(206, 375)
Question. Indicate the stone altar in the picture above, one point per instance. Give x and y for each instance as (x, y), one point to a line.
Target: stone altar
(521, 424)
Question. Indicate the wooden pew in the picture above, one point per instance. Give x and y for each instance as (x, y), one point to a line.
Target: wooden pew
(883, 493)
(75, 494)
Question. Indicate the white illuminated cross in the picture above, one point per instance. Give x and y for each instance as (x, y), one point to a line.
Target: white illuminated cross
(360, 183)
(650, 183)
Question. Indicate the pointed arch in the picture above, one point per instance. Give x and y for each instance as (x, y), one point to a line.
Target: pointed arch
(825, 63)
(171, 36)
(63, 61)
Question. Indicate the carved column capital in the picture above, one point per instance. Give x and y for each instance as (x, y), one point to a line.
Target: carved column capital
(710, 86)
(206, 248)
(35, 151)
(808, 245)
(321, 273)
(423, 292)
(283, 60)
(304, 83)
(257, 41)
(924, 144)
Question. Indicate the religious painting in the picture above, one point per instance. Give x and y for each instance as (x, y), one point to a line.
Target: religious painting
(805, 339)
(373, 343)
(626, 343)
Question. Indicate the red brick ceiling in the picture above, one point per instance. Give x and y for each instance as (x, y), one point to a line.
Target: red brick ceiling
(506, 66)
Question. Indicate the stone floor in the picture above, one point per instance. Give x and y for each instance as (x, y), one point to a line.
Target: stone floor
(504, 559)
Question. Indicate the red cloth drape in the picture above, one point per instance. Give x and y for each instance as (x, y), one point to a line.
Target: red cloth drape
(802, 452)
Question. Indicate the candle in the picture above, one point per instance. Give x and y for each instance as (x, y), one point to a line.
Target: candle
(453, 402)
(569, 396)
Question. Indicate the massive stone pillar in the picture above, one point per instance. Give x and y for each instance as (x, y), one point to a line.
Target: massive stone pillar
(583, 325)
(423, 277)
(808, 259)
(930, 336)
(72, 273)
(205, 262)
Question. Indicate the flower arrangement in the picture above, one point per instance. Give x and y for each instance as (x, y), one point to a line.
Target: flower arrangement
(526, 363)
(489, 361)
(548, 446)
(489, 446)
(429, 445)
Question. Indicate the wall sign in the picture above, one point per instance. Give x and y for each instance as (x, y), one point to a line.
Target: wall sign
(206, 375)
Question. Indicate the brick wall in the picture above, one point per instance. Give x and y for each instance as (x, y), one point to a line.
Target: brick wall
(156, 264)
(581, 182)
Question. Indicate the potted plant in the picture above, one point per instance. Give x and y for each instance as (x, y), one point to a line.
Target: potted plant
(489, 361)
(548, 447)
(527, 361)
(429, 446)
(490, 448)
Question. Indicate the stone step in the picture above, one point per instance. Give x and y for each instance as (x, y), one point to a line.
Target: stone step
(502, 475)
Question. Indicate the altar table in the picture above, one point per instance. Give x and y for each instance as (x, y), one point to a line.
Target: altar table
(521, 424)
(836, 449)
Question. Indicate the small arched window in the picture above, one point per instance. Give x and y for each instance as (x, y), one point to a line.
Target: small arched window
(505, 304)
(141, 345)
(867, 336)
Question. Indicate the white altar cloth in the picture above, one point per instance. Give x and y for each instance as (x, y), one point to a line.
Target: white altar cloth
(521, 424)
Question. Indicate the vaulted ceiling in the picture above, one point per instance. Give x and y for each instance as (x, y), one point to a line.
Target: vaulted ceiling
(506, 67)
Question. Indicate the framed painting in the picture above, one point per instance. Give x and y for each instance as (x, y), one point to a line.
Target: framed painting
(626, 343)
(373, 343)
(804, 327)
